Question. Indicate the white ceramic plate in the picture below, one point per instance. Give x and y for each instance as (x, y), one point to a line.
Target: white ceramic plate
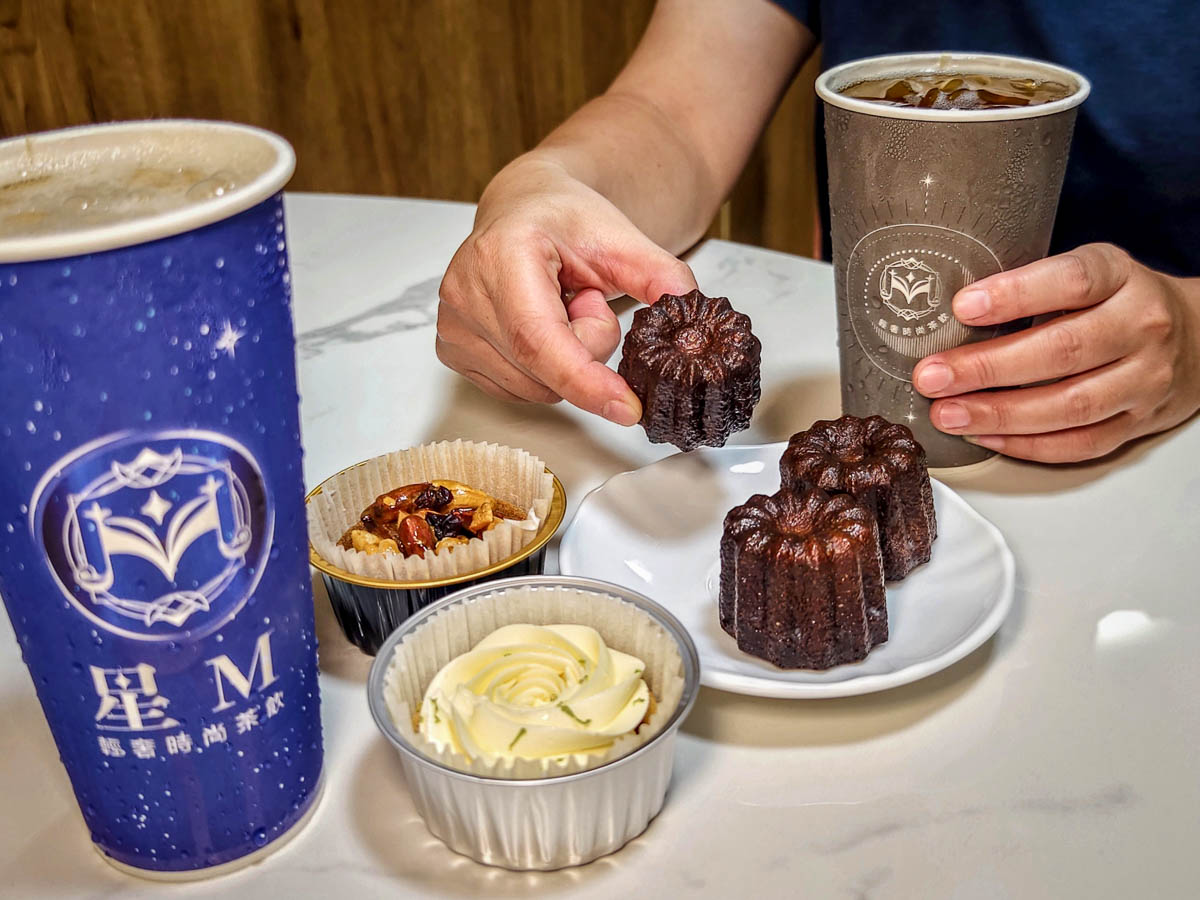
(657, 530)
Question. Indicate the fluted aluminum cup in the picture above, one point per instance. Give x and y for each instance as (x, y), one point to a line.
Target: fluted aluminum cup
(544, 823)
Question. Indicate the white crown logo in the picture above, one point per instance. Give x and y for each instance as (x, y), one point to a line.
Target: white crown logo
(219, 505)
(913, 282)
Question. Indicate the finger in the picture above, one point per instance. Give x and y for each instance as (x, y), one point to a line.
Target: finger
(630, 263)
(472, 354)
(1068, 445)
(1082, 400)
(594, 323)
(1075, 280)
(490, 387)
(537, 337)
(1064, 346)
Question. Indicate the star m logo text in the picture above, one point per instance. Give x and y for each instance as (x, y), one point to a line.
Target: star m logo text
(225, 671)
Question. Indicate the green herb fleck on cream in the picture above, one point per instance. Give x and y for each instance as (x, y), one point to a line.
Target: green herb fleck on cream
(520, 734)
(638, 700)
(566, 709)
(436, 718)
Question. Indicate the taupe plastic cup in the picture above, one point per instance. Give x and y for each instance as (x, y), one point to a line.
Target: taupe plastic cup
(922, 203)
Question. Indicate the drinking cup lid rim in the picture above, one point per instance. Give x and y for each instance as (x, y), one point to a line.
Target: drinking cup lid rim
(831, 81)
(76, 242)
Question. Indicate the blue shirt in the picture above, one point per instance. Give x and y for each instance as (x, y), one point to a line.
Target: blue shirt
(1134, 172)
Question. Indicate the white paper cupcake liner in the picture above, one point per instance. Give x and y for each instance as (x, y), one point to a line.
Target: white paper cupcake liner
(458, 628)
(511, 475)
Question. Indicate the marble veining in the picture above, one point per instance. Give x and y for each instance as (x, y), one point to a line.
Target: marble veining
(415, 307)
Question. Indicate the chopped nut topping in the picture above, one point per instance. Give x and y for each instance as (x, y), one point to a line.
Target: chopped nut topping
(430, 515)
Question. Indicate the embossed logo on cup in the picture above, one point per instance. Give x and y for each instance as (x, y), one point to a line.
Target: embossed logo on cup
(152, 536)
(899, 280)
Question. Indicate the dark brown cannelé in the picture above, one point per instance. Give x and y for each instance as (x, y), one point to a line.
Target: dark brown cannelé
(694, 364)
(802, 579)
(882, 465)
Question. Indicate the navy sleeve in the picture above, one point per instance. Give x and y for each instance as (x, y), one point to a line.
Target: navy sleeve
(807, 11)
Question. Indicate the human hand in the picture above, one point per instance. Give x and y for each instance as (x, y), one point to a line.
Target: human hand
(1127, 351)
(524, 304)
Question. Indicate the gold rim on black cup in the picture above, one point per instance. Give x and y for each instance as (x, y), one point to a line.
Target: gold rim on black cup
(368, 609)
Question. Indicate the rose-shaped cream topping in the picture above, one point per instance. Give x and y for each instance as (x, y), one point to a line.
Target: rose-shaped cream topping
(535, 692)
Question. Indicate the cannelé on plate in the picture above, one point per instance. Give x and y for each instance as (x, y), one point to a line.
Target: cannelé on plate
(801, 581)
(882, 465)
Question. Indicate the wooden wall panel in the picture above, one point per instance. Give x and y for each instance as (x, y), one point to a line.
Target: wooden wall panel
(422, 98)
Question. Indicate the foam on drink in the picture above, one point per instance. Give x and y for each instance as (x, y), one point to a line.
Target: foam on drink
(74, 181)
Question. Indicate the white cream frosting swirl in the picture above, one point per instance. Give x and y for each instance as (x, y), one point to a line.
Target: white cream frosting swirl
(535, 692)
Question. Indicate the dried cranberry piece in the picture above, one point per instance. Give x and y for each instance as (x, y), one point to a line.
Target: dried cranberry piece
(436, 498)
(448, 525)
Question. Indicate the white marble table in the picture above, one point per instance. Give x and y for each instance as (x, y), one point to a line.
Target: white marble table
(1059, 760)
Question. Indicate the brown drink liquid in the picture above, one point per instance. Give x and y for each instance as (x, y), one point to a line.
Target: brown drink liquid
(957, 91)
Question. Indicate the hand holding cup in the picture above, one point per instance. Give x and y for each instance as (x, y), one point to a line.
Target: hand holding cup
(1123, 360)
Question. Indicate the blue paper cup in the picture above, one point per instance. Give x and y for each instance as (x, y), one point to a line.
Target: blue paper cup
(154, 560)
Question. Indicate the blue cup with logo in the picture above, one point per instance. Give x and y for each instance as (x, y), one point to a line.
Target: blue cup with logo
(153, 558)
